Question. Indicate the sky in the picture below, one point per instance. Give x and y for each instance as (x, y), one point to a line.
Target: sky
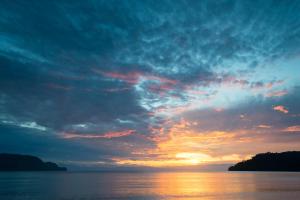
(104, 84)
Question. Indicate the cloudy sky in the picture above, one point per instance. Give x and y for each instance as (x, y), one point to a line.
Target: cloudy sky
(149, 83)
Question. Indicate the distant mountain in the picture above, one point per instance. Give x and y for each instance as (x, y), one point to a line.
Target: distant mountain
(16, 162)
(285, 161)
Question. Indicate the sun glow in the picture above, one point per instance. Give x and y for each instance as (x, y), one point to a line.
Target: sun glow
(182, 145)
(194, 158)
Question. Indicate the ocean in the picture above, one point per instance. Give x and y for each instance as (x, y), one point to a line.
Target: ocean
(158, 185)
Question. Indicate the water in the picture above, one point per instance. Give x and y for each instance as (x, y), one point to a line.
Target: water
(191, 185)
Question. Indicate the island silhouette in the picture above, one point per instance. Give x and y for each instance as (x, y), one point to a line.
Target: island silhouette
(284, 161)
(17, 162)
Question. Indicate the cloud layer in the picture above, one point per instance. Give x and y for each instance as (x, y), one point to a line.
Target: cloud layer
(141, 82)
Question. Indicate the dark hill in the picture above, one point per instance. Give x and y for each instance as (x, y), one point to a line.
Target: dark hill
(285, 161)
(16, 162)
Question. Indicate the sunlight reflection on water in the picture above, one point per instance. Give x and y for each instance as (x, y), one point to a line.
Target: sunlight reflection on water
(179, 185)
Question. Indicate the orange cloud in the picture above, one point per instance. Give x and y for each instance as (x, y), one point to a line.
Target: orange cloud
(107, 135)
(181, 145)
(281, 109)
(292, 129)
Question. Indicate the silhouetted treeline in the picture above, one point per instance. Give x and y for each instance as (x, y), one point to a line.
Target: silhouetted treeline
(285, 161)
(15, 162)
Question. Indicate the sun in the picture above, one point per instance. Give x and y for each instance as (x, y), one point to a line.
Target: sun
(193, 158)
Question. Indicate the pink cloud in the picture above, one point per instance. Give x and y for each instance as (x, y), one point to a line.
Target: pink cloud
(279, 93)
(107, 135)
(160, 89)
(281, 109)
(133, 77)
(162, 79)
(242, 83)
(274, 83)
(292, 129)
(267, 85)
(219, 109)
(264, 126)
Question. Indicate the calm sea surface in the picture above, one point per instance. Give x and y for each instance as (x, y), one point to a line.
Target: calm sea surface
(191, 185)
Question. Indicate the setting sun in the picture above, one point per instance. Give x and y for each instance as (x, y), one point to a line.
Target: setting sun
(193, 158)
